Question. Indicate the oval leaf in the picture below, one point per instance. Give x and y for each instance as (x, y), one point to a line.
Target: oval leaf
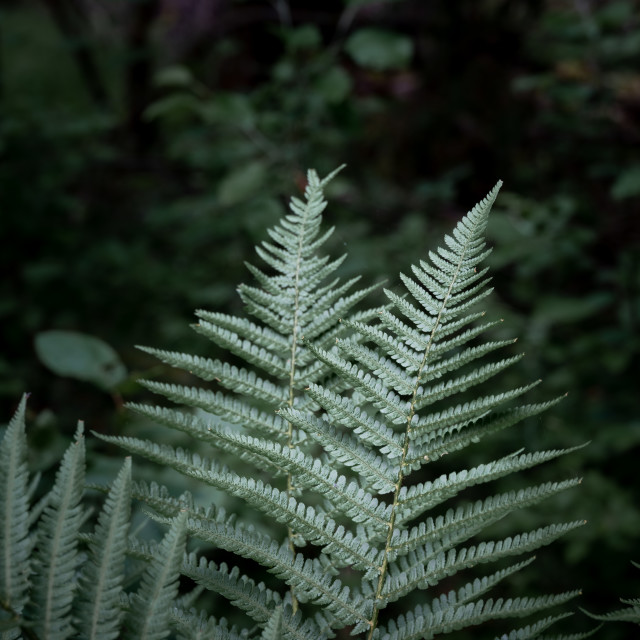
(378, 49)
(80, 356)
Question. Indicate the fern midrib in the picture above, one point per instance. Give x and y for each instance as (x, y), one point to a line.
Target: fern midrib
(292, 373)
(405, 448)
(60, 529)
(113, 537)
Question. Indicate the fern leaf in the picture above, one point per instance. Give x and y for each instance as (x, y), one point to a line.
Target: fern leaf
(158, 588)
(454, 438)
(369, 430)
(56, 557)
(98, 611)
(420, 497)
(245, 349)
(310, 524)
(369, 381)
(352, 500)
(260, 335)
(463, 414)
(219, 437)
(231, 377)
(447, 388)
(531, 631)
(388, 402)
(478, 586)
(405, 356)
(429, 566)
(308, 576)
(223, 406)
(347, 450)
(465, 522)
(424, 622)
(15, 544)
(255, 599)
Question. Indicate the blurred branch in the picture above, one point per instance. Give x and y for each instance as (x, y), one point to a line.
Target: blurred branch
(71, 23)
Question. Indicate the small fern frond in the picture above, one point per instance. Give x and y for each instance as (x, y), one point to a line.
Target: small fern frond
(309, 576)
(465, 522)
(225, 407)
(98, 611)
(478, 587)
(56, 556)
(255, 599)
(424, 622)
(455, 437)
(149, 616)
(15, 541)
(415, 500)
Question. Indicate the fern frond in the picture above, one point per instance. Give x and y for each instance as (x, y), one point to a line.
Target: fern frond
(531, 631)
(273, 629)
(347, 450)
(349, 415)
(427, 566)
(250, 352)
(56, 558)
(417, 499)
(447, 388)
(333, 409)
(98, 610)
(478, 586)
(148, 619)
(308, 576)
(387, 401)
(15, 542)
(255, 599)
(225, 407)
(456, 437)
(631, 613)
(219, 437)
(465, 522)
(463, 414)
(231, 377)
(424, 622)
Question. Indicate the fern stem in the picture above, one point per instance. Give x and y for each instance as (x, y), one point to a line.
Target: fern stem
(292, 371)
(405, 449)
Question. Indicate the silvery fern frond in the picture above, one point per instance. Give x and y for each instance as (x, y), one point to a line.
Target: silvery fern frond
(51, 588)
(344, 412)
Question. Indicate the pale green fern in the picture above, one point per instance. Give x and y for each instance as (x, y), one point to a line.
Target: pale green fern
(330, 422)
(50, 589)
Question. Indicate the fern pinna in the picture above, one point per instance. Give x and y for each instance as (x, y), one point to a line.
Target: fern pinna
(340, 409)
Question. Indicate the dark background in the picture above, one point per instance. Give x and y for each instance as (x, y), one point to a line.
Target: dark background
(145, 146)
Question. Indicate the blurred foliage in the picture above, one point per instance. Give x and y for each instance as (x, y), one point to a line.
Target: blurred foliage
(145, 146)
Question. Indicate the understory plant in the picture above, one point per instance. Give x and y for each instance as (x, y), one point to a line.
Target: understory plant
(50, 585)
(326, 421)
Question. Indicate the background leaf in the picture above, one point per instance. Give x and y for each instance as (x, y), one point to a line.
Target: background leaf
(379, 49)
(80, 356)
